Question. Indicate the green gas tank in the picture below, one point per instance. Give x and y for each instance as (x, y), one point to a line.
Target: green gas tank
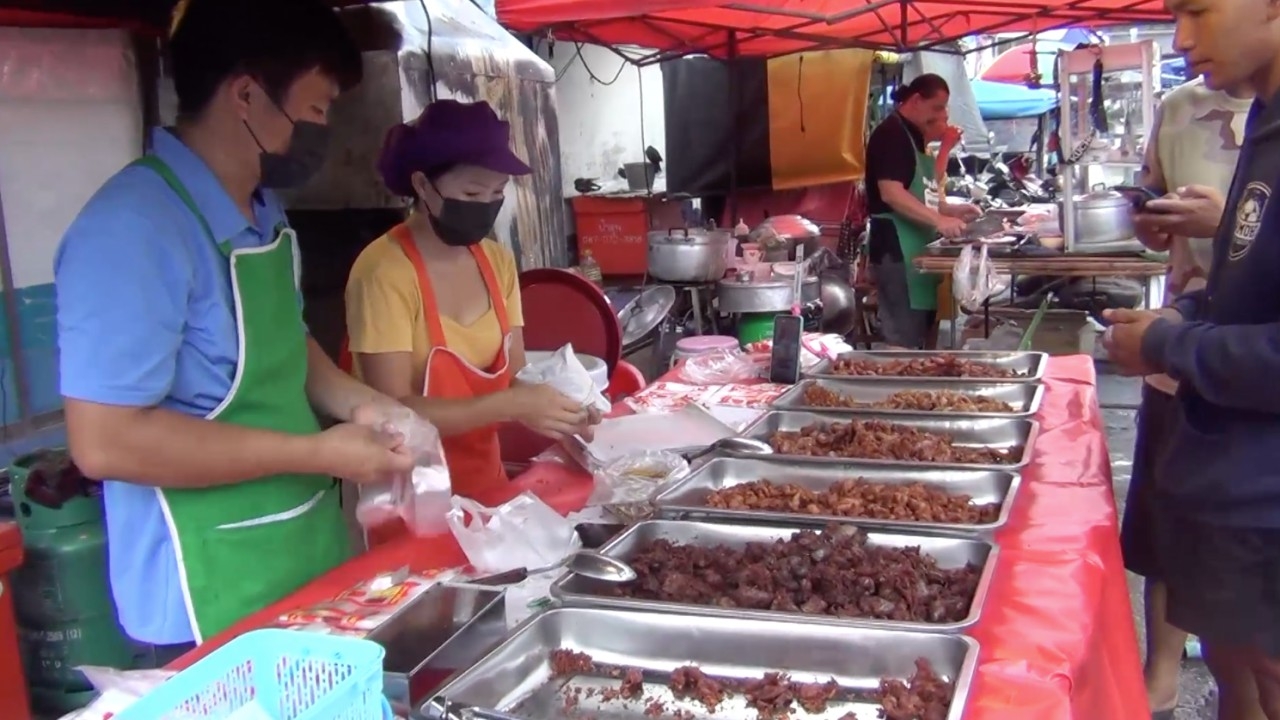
(62, 598)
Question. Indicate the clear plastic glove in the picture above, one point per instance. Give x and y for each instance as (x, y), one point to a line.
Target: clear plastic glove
(420, 494)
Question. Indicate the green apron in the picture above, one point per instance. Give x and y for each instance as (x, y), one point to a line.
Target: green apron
(242, 547)
(922, 289)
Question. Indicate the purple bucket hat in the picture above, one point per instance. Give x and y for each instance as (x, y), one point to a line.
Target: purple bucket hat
(447, 133)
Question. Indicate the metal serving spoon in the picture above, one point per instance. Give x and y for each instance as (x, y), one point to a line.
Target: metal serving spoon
(740, 445)
(594, 565)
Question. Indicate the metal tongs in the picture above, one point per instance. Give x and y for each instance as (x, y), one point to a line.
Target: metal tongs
(440, 708)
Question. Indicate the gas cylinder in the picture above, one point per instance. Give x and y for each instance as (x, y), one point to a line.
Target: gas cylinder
(62, 598)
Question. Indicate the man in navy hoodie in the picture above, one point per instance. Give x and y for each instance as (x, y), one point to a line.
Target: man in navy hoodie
(1219, 534)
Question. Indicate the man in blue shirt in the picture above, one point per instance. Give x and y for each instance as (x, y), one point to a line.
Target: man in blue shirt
(188, 375)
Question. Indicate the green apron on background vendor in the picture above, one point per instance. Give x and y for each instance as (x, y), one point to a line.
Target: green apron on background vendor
(902, 223)
(190, 382)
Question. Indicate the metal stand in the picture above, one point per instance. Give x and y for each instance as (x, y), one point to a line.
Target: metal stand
(1141, 57)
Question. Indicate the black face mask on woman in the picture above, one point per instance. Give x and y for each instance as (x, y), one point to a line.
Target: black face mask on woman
(464, 222)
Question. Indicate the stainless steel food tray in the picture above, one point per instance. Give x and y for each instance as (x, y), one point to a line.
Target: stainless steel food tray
(1031, 363)
(965, 431)
(445, 629)
(951, 552)
(516, 677)
(1023, 397)
(687, 498)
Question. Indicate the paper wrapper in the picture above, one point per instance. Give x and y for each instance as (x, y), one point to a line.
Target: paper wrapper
(665, 397)
(744, 396)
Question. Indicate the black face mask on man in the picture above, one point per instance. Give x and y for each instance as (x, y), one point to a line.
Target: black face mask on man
(463, 222)
(303, 156)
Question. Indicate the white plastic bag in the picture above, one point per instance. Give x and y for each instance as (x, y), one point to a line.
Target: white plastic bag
(118, 689)
(564, 372)
(720, 367)
(523, 533)
(421, 498)
(627, 485)
(974, 279)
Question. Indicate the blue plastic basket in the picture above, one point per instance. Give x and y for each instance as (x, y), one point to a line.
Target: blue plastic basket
(291, 675)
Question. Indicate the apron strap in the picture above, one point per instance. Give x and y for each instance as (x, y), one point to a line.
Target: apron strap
(166, 173)
(435, 328)
(491, 284)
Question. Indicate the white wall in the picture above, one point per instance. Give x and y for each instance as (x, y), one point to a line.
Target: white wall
(69, 118)
(600, 124)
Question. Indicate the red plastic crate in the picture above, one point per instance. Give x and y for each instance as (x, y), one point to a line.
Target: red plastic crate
(615, 230)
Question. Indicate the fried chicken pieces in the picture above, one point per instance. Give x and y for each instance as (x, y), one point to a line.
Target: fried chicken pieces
(774, 696)
(857, 498)
(929, 366)
(917, 400)
(879, 440)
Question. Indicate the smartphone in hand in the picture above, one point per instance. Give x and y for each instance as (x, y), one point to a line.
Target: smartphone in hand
(1138, 196)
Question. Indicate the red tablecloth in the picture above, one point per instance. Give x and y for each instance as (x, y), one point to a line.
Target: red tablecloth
(1056, 632)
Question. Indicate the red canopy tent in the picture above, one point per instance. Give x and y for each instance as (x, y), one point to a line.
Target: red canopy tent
(778, 27)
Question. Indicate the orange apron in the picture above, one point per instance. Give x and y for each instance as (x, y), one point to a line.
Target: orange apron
(474, 458)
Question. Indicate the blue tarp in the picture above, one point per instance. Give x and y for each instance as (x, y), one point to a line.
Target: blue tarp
(1004, 101)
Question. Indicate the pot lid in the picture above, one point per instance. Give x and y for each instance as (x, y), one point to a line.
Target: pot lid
(643, 314)
(792, 226)
(688, 236)
(1103, 198)
(733, 283)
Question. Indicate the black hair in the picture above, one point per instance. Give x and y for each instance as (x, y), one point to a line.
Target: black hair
(926, 86)
(273, 41)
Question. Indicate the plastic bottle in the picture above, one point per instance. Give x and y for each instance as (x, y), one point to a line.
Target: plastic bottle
(591, 269)
(741, 231)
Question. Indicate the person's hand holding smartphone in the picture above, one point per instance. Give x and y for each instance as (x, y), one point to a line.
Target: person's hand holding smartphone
(1191, 211)
(1145, 223)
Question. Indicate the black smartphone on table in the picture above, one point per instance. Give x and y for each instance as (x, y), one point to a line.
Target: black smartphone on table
(784, 361)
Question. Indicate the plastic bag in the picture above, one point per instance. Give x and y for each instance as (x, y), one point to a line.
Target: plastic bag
(627, 485)
(523, 533)
(118, 689)
(564, 372)
(719, 367)
(974, 278)
(420, 499)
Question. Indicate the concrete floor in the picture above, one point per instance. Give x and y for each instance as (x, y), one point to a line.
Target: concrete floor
(1119, 399)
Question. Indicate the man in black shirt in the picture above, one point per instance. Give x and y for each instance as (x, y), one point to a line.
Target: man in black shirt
(898, 171)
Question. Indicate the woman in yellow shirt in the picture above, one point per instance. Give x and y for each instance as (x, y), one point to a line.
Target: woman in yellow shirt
(433, 307)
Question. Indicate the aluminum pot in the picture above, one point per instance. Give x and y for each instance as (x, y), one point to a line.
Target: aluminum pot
(1102, 216)
(746, 294)
(688, 256)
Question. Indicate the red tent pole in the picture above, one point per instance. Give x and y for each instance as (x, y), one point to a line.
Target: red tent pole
(735, 128)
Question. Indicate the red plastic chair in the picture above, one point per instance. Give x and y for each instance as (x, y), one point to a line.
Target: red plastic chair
(564, 307)
(627, 380)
